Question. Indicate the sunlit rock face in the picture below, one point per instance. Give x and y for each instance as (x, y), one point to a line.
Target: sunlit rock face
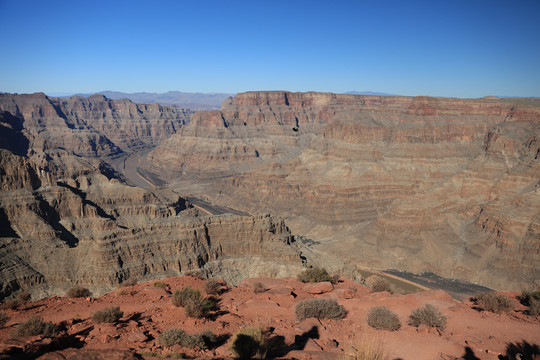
(413, 183)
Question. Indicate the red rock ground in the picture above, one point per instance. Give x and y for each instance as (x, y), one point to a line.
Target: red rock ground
(148, 311)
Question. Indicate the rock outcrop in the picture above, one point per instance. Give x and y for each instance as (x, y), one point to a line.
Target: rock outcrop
(419, 184)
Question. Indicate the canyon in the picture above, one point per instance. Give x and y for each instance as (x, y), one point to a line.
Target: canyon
(449, 186)
(440, 185)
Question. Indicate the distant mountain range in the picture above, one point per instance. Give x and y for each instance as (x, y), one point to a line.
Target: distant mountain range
(194, 101)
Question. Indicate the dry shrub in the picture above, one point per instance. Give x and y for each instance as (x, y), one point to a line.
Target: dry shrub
(534, 308)
(160, 284)
(319, 309)
(494, 302)
(382, 318)
(35, 326)
(378, 284)
(107, 315)
(250, 343)
(212, 287)
(3, 319)
(259, 287)
(10, 304)
(78, 292)
(428, 315)
(315, 275)
(24, 297)
(204, 340)
(195, 305)
(367, 347)
(527, 297)
(129, 282)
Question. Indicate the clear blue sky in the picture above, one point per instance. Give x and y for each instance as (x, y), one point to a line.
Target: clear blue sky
(457, 48)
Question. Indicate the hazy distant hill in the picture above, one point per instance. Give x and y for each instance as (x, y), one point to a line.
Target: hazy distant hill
(194, 101)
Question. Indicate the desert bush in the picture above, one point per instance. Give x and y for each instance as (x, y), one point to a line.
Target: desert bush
(378, 284)
(382, 318)
(319, 309)
(259, 287)
(534, 308)
(24, 297)
(250, 343)
(366, 347)
(3, 319)
(428, 315)
(180, 297)
(78, 292)
(204, 340)
(212, 287)
(107, 315)
(195, 305)
(315, 275)
(129, 282)
(160, 284)
(10, 304)
(35, 326)
(527, 297)
(494, 302)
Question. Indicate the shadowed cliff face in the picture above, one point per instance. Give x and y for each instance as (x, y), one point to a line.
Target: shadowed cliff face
(65, 218)
(418, 184)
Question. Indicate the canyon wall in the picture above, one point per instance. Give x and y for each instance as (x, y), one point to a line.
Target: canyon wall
(413, 183)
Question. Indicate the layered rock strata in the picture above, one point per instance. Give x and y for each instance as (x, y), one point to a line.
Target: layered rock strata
(419, 184)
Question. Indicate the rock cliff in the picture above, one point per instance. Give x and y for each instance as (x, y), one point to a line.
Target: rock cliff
(414, 183)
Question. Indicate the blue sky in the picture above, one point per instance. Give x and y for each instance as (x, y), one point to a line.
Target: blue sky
(452, 48)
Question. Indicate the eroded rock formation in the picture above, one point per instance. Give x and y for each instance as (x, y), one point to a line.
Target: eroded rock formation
(418, 184)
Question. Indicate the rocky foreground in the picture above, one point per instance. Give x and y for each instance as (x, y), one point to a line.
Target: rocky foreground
(148, 311)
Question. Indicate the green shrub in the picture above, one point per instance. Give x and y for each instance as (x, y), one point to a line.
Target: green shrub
(180, 297)
(23, 297)
(428, 315)
(78, 292)
(107, 315)
(494, 302)
(378, 284)
(35, 326)
(315, 275)
(160, 284)
(259, 287)
(195, 305)
(3, 319)
(319, 309)
(212, 287)
(204, 340)
(250, 343)
(10, 304)
(382, 318)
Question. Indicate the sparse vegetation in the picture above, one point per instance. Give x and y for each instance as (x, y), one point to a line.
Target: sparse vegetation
(78, 292)
(107, 315)
(497, 303)
(315, 275)
(160, 284)
(129, 282)
(319, 309)
(532, 300)
(250, 343)
(367, 347)
(23, 297)
(35, 326)
(163, 356)
(204, 340)
(382, 318)
(4, 318)
(428, 315)
(534, 308)
(194, 304)
(259, 287)
(212, 287)
(10, 304)
(378, 284)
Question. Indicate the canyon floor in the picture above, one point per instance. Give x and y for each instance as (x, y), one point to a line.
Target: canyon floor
(148, 311)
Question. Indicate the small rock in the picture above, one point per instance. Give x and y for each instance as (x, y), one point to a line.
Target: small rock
(319, 288)
(137, 336)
